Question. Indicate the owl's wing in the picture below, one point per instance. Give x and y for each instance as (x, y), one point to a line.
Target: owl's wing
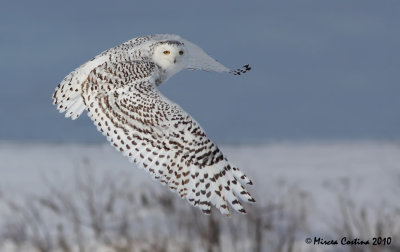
(157, 135)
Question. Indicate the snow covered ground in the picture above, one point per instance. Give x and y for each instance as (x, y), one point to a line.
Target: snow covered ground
(366, 172)
(369, 168)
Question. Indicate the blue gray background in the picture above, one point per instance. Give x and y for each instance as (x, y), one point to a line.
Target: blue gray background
(321, 69)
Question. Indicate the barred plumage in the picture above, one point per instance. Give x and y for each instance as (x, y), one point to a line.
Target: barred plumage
(118, 88)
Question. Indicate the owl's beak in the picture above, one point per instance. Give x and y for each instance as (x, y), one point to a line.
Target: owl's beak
(174, 60)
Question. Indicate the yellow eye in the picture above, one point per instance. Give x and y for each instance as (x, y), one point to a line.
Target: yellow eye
(180, 52)
(166, 52)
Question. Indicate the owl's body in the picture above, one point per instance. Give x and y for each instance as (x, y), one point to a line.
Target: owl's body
(118, 88)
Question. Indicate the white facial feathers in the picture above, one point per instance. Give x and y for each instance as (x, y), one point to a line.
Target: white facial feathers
(169, 55)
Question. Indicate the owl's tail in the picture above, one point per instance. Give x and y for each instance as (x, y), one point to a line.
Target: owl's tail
(68, 94)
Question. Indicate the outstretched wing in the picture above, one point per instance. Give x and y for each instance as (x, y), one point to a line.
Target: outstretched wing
(157, 135)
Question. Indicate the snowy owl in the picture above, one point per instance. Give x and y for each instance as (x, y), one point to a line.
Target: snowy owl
(118, 88)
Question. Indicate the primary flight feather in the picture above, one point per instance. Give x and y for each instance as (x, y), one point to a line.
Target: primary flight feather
(118, 88)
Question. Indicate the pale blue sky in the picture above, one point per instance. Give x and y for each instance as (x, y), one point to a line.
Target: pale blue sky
(321, 69)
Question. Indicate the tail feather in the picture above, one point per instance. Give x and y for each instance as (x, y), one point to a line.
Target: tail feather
(68, 94)
(68, 98)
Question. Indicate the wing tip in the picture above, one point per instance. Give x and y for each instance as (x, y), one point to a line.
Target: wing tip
(252, 200)
(241, 70)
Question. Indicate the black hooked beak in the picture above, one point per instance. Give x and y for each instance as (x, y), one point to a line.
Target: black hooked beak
(174, 60)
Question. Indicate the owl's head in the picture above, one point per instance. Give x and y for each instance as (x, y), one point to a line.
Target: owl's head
(169, 54)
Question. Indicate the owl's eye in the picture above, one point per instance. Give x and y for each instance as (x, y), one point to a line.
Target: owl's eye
(180, 52)
(166, 52)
